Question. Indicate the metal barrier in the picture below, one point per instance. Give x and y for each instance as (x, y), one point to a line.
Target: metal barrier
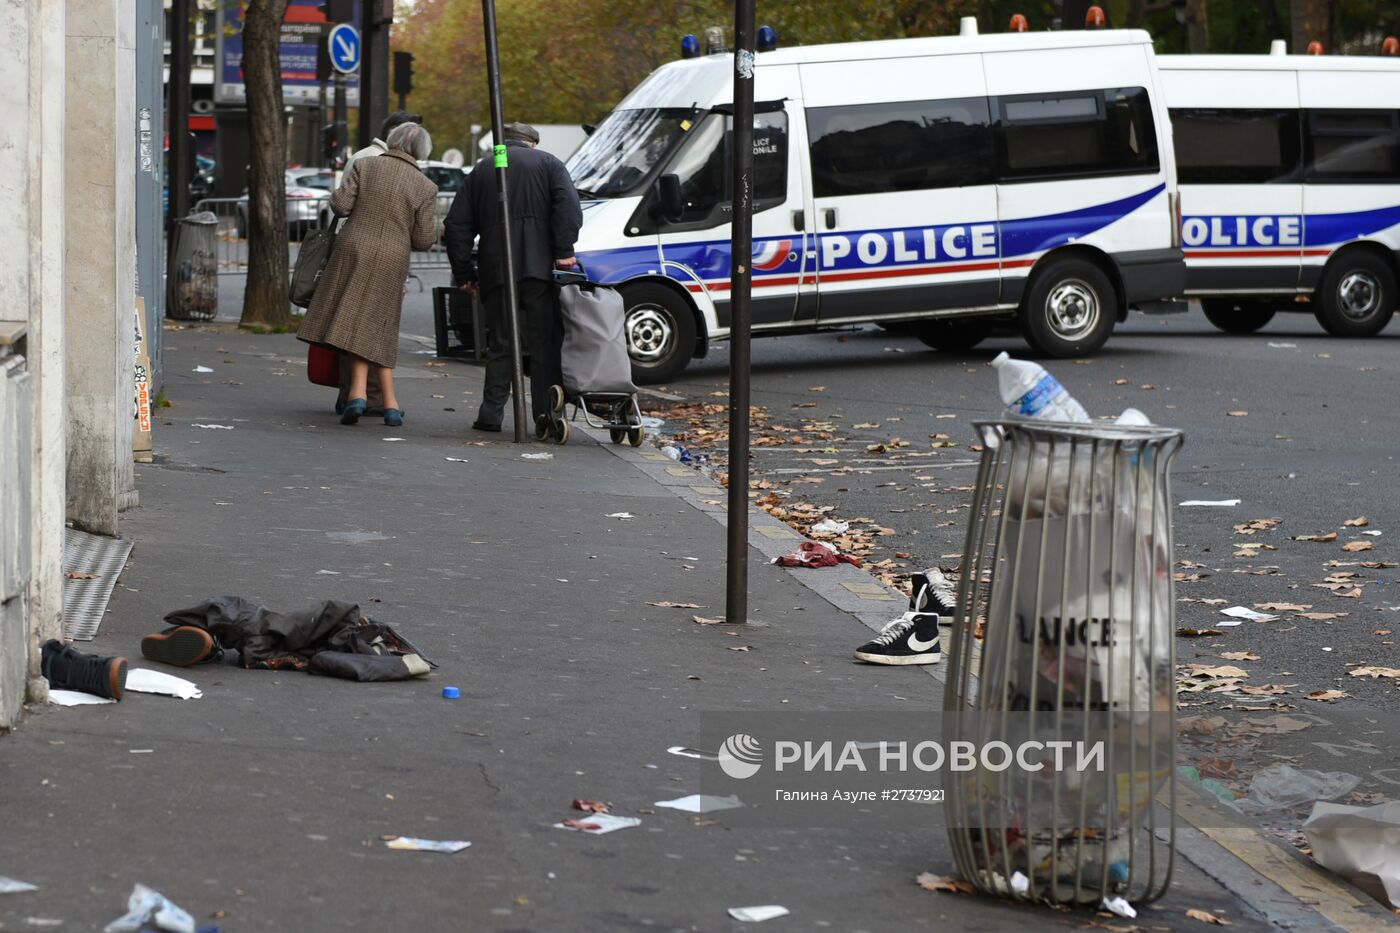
(303, 216)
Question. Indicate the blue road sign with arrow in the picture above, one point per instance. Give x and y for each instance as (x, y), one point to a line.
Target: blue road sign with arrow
(344, 47)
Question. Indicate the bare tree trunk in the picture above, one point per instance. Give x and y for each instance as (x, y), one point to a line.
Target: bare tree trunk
(265, 299)
(1197, 27)
(1310, 22)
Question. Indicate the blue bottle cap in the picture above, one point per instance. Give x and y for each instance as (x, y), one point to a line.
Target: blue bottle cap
(451, 693)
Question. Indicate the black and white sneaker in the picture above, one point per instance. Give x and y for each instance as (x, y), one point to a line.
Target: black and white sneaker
(910, 639)
(932, 592)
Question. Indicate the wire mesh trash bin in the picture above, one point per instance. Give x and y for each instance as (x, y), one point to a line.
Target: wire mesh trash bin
(192, 280)
(1064, 634)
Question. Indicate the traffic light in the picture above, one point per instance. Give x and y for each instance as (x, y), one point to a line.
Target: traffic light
(381, 12)
(338, 11)
(403, 73)
(330, 144)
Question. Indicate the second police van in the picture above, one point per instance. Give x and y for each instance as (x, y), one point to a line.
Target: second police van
(1289, 168)
(939, 183)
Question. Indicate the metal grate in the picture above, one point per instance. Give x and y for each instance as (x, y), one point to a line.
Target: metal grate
(91, 565)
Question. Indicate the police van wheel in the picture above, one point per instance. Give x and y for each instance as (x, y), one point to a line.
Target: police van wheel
(953, 335)
(660, 332)
(1356, 296)
(1069, 310)
(1237, 316)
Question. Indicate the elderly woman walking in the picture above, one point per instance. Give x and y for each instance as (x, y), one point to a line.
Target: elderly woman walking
(359, 298)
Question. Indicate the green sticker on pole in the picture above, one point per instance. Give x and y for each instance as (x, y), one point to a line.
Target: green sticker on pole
(500, 156)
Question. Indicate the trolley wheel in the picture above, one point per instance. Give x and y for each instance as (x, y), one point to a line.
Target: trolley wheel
(1356, 296)
(543, 427)
(561, 431)
(619, 435)
(556, 399)
(634, 436)
(1237, 316)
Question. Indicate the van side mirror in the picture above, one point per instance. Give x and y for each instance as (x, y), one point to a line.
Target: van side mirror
(668, 190)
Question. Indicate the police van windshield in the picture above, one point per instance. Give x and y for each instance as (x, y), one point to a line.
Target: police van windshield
(623, 151)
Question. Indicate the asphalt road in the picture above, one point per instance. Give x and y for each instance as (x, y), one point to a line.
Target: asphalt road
(1312, 444)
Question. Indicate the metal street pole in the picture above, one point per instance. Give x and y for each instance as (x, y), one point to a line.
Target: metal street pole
(498, 131)
(342, 117)
(736, 594)
(178, 114)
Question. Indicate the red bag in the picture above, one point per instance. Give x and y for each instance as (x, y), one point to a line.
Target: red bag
(322, 366)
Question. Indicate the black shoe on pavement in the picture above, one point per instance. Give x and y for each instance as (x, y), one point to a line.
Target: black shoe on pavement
(67, 668)
(181, 646)
(483, 426)
(930, 591)
(910, 639)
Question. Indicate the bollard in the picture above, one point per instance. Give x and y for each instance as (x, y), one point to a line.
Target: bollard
(1064, 634)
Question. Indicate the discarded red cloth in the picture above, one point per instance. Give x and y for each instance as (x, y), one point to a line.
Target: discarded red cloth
(815, 554)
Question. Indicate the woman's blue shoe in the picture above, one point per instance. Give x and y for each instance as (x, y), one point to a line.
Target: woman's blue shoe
(353, 410)
(393, 417)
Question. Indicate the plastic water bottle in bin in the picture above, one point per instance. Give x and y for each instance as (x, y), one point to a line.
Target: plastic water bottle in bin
(1028, 391)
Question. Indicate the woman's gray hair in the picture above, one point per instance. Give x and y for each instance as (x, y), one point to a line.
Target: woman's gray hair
(412, 139)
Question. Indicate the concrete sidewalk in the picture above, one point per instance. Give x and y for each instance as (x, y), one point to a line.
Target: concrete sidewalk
(262, 804)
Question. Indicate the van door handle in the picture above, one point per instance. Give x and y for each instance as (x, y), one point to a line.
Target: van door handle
(799, 221)
(830, 213)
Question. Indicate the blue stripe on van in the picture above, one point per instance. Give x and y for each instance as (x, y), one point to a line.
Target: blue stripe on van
(874, 249)
(1329, 229)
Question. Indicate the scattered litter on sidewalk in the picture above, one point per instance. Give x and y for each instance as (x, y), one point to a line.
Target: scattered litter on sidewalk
(1117, 905)
(201, 369)
(686, 752)
(1020, 884)
(625, 516)
(591, 806)
(391, 438)
(702, 803)
(599, 824)
(652, 424)
(43, 921)
(149, 906)
(451, 693)
(144, 680)
(456, 460)
(11, 886)
(1284, 787)
(214, 427)
(669, 604)
(544, 456)
(1205, 916)
(1284, 346)
(328, 573)
(829, 527)
(814, 554)
(758, 914)
(1240, 612)
(75, 698)
(1224, 502)
(414, 844)
(706, 620)
(1362, 844)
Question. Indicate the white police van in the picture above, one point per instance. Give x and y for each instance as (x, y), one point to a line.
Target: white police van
(1290, 186)
(937, 182)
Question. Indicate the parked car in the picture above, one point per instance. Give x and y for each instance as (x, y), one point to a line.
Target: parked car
(308, 190)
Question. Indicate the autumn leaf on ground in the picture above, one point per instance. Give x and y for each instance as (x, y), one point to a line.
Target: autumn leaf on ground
(1354, 546)
(1266, 690)
(931, 882)
(1328, 536)
(1380, 631)
(816, 388)
(1239, 656)
(740, 647)
(582, 824)
(592, 806)
(667, 604)
(1218, 768)
(1366, 798)
(1207, 670)
(1200, 725)
(704, 621)
(867, 425)
(1374, 672)
(1120, 382)
(1281, 607)
(1327, 696)
(1361, 522)
(1197, 632)
(79, 575)
(1206, 916)
(1237, 414)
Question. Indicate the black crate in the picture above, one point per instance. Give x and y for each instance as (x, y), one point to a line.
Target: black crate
(459, 324)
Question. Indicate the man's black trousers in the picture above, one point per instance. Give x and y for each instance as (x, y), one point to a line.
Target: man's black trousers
(542, 331)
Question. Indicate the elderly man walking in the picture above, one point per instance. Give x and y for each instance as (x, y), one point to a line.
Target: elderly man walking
(545, 217)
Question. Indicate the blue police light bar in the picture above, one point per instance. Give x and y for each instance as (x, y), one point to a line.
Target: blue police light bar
(690, 46)
(767, 38)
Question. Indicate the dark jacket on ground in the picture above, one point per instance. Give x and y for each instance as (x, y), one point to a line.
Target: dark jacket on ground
(544, 214)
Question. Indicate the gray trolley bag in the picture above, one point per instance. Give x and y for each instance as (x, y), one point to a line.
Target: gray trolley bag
(594, 354)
